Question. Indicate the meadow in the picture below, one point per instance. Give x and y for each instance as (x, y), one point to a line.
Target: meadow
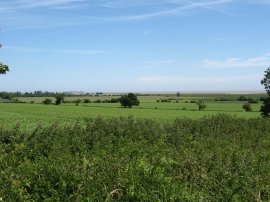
(30, 115)
(158, 151)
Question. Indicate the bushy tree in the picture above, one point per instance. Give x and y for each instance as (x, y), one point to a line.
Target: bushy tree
(265, 108)
(247, 107)
(129, 100)
(3, 68)
(59, 99)
(266, 81)
(201, 104)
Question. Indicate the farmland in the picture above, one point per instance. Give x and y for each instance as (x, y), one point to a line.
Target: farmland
(30, 115)
(157, 151)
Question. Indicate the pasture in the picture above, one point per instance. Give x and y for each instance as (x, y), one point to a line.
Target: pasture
(30, 115)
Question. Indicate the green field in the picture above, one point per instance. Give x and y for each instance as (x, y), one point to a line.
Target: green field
(29, 115)
(157, 151)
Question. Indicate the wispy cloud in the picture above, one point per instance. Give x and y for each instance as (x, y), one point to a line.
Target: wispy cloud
(260, 61)
(10, 11)
(14, 5)
(168, 12)
(57, 51)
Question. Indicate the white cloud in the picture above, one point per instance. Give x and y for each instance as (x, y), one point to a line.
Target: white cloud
(260, 61)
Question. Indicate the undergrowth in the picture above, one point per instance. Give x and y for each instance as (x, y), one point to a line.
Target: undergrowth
(219, 158)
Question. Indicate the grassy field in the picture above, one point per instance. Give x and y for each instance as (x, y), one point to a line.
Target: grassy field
(29, 115)
(158, 151)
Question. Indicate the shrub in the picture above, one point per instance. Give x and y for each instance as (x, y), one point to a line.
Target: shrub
(247, 107)
(201, 105)
(47, 101)
(86, 101)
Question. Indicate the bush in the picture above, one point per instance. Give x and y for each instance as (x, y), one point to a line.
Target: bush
(247, 107)
(201, 105)
(47, 101)
(124, 159)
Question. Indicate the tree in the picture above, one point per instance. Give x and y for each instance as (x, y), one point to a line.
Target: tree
(265, 108)
(247, 107)
(59, 99)
(129, 100)
(178, 94)
(266, 81)
(201, 105)
(3, 68)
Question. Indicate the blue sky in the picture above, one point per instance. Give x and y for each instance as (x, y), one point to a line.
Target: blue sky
(134, 45)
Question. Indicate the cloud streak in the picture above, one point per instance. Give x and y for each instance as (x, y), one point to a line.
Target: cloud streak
(255, 62)
(14, 15)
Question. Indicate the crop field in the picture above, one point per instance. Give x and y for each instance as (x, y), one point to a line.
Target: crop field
(157, 151)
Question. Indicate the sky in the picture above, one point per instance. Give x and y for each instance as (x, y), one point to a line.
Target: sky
(134, 45)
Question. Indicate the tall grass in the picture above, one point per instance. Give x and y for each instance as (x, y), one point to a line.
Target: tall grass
(219, 158)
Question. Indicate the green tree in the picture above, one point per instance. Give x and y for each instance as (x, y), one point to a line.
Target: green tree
(266, 80)
(247, 107)
(201, 104)
(129, 100)
(3, 68)
(265, 108)
(59, 99)
(178, 94)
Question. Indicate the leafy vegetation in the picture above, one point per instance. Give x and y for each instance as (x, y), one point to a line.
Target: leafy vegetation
(247, 107)
(217, 158)
(265, 108)
(129, 100)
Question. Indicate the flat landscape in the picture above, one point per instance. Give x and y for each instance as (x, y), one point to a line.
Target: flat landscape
(165, 149)
(134, 101)
(151, 107)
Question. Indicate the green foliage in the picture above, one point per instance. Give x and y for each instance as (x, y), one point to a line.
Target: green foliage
(201, 104)
(129, 100)
(247, 107)
(218, 158)
(178, 94)
(59, 99)
(3, 68)
(266, 81)
(265, 108)
(47, 101)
